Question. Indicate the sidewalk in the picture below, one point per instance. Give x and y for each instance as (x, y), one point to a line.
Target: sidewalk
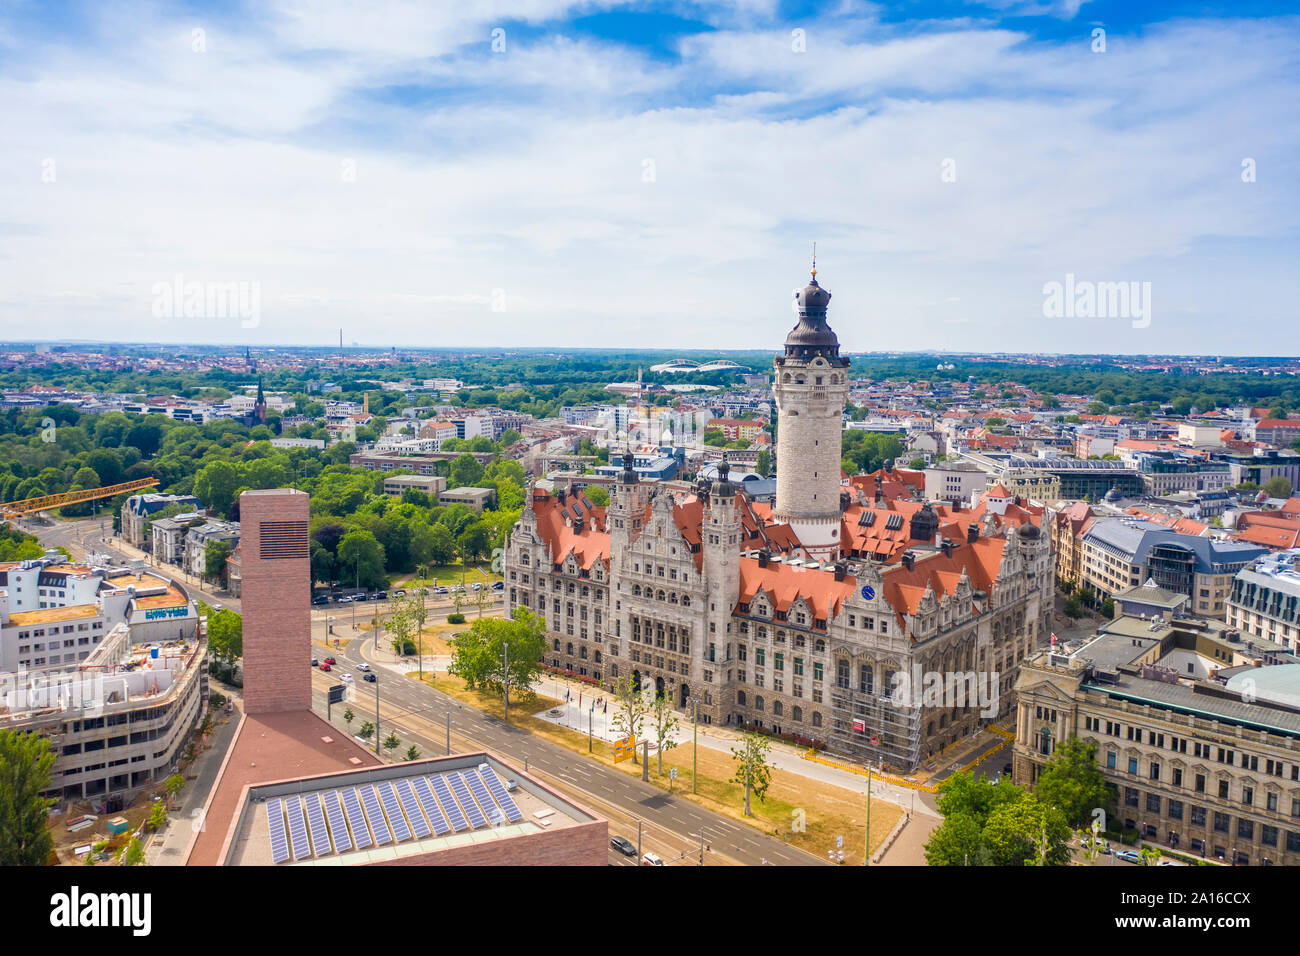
(168, 845)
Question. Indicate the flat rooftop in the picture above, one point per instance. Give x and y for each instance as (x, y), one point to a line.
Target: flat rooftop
(385, 814)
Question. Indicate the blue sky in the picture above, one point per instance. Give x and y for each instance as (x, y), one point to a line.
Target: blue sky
(651, 174)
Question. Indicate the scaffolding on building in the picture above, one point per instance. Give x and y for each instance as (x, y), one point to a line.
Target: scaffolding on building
(871, 729)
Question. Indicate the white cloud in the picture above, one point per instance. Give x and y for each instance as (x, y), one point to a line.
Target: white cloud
(526, 172)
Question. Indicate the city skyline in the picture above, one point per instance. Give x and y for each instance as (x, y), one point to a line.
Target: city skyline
(650, 177)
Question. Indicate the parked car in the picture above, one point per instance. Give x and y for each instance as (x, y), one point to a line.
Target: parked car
(381, 596)
(326, 668)
(623, 845)
(345, 600)
(1129, 856)
(400, 592)
(476, 586)
(323, 599)
(439, 590)
(369, 677)
(651, 859)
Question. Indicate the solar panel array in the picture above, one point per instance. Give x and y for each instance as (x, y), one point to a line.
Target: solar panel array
(389, 812)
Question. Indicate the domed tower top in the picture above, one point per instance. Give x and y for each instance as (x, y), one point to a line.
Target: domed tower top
(723, 487)
(812, 336)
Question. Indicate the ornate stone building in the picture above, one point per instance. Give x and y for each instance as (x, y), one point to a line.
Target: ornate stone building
(721, 603)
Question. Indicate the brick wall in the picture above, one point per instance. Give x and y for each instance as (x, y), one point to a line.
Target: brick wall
(276, 599)
(584, 845)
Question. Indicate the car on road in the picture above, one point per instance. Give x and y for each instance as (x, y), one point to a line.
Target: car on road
(381, 596)
(347, 679)
(363, 666)
(370, 677)
(314, 662)
(1129, 856)
(317, 601)
(476, 586)
(330, 660)
(623, 845)
(1006, 769)
(400, 592)
(651, 859)
(439, 590)
(218, 607)
(346, 599)
(326, 668)
(498, 585)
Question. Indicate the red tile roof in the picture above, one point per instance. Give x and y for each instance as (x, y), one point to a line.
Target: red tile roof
(784, 584)
(903, 589)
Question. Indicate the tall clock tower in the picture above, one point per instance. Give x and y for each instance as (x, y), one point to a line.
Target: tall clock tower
(811, 387)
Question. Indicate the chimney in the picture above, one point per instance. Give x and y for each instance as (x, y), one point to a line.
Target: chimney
(909, 560)
(762, 559)
(841, 569)
(947, 547)
(972, 533)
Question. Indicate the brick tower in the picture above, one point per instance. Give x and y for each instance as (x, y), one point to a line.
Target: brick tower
(276, 600)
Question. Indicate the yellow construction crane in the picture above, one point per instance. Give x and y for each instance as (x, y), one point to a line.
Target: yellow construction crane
(12, 509)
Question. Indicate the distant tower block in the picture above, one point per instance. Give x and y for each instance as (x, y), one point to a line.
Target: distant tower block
(276, 600)
(811, 388)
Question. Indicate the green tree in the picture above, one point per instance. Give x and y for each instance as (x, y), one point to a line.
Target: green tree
(1073, 782)
(25, 763)
(663, 721)
(1279, 486)
(366, 731)
(752, 769)
(173, 785)
(132, 854)
(225, 633)
(215, 485)
(215, 554)
(498, 654)
(361, 554)
(1016, 830)
(391, 743)
(959, 841)
(465, 471)
(764, 463)
(597, 495)
(412, 752)
(348, 717)
(157, 816)
(630, 709)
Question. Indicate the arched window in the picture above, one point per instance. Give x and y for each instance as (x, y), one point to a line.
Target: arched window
(797, 714)
(661, 594)
(820, 646)
(740, 698)
(778, 708)
(686, 600)
(817, 718)
(636, 590)
(758, 703)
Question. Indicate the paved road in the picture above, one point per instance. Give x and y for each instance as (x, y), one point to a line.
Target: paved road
(671, 826)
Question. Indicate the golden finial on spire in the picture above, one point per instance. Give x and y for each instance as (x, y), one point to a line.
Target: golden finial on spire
(814, 265)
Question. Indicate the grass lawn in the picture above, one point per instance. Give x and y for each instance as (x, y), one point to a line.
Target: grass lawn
(828, 811)
(446, 575)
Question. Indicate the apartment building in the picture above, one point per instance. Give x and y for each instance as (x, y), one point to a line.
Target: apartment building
(1265, 599)
(1206, 764)
(1118, 553)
